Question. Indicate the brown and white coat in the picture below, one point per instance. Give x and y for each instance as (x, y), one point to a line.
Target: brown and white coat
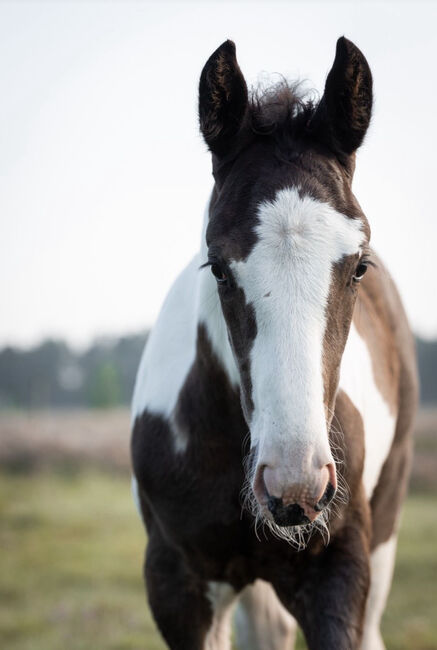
(274, 401)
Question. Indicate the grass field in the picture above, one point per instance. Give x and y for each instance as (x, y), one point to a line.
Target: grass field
(71, 550)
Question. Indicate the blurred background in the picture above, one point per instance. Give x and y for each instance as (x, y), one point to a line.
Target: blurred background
(103, 183)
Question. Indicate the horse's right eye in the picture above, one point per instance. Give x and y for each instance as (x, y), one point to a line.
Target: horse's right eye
(218, 273)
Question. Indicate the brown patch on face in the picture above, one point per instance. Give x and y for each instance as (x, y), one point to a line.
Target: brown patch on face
(324, 179)
(339, 310)
(257, 175)
(380, 321)
(241, 322)
(231, 232)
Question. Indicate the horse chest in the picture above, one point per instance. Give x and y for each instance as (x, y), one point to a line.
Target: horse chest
(191, 491)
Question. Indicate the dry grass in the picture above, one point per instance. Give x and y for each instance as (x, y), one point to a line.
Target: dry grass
(71, 551)
(101, 439)
(71, 543)
(51, 438)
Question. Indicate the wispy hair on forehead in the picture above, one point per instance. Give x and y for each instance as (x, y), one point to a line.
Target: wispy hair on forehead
(283, 106)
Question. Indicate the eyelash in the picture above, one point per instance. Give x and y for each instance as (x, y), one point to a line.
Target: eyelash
(214, 264)
(363, 262)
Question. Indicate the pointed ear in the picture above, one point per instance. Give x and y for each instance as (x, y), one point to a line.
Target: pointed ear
(222, 99)
(344, 112)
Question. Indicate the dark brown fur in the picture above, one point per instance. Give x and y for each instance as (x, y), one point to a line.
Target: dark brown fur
(197, 532)
(191, 500)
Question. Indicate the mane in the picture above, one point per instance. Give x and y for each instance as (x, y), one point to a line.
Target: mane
(281, 109)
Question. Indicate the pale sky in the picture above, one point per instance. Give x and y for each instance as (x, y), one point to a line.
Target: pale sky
(104, 177)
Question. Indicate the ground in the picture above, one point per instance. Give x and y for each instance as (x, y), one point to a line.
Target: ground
(71, 549)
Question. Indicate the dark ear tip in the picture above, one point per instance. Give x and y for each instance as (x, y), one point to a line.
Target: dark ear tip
(343, 42)
(227, 48)
(345, 47)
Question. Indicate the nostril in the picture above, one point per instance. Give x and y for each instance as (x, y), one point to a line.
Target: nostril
(326, 498)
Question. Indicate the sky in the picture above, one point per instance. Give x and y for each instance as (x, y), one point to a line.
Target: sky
(104, 176)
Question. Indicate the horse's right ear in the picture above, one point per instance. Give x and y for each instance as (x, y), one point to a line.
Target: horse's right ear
(222, 99)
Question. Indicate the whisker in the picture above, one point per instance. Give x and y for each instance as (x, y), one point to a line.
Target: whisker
(297, 536)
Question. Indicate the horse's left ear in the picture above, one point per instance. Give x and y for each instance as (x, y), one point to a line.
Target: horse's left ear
(222, 99)
(344, 112)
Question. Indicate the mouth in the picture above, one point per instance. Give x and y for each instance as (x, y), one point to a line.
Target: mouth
(288, 523)
(293, 522)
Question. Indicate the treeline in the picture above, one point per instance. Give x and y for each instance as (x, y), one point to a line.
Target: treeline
(52, 375)
(427, 361)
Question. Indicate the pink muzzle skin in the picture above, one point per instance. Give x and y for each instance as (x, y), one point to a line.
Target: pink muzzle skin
(298, 503)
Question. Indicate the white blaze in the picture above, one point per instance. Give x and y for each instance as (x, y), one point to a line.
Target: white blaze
(287, 279)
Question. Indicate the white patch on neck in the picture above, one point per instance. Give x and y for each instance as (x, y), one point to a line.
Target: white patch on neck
(171, 348)
(287, 279)
(357, 381)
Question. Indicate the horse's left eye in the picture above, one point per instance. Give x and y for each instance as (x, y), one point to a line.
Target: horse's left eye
(218, 273)
(360, 271)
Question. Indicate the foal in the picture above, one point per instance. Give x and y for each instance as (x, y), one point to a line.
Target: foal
(274, 401)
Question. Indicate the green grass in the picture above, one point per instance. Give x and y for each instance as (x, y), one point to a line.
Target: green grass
(70, 567)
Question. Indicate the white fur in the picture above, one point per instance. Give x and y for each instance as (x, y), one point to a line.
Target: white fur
(357, 380)
(299, 241)
(261, 621)
(171, 348)
(287, 278)
(221, 597)
(381, 566)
